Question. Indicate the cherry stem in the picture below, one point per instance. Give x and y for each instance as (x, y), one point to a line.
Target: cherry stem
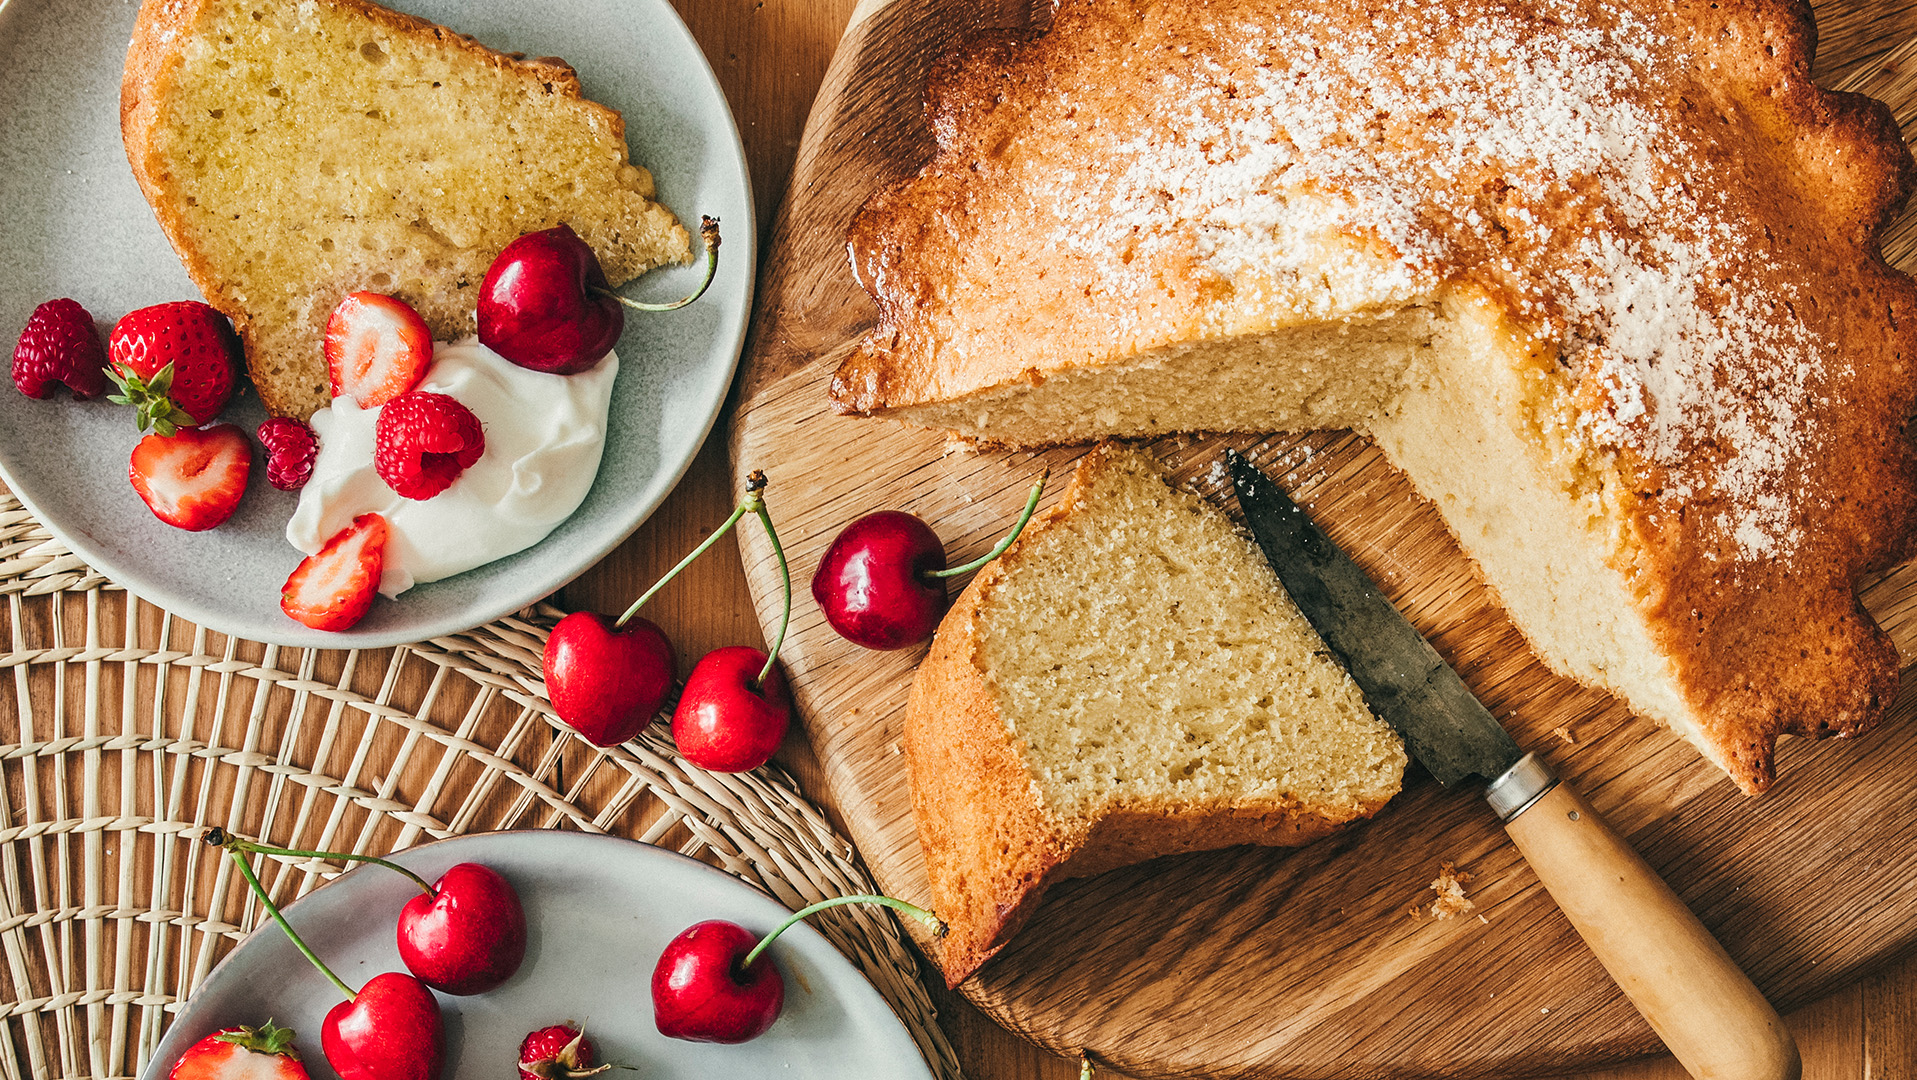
(937, 924)
(235, 843)
(738, 512)
(709, 236)
(1031, 504)
(755, 498)
(219, 838)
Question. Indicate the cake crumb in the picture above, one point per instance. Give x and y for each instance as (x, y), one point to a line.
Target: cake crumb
(1449, 885)
(1563, 732)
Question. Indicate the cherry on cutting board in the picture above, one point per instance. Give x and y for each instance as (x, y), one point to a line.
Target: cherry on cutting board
(463, 934)
(881, 583)
(389, 1029)
(711, 983)
(546, 304)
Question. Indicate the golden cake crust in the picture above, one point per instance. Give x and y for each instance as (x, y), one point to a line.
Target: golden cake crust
(1761, 474)
(992, 847)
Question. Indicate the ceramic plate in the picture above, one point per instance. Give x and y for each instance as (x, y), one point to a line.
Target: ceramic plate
(76, 225)
(599, 911)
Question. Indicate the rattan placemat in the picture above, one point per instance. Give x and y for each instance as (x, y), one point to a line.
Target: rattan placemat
(128, 731)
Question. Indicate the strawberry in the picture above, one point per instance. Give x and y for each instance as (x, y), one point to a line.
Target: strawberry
(242, 1053)
(192, 479)
(377, 348)
(176, 364)
(423, 441)
(333, 589)
(60, 345)
(290, 452)
(557, 1051)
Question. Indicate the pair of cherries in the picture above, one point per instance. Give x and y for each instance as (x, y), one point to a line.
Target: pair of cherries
(607, 678)
(465, 934)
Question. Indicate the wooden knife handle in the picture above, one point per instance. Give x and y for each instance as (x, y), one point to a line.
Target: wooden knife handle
(1715, 1022)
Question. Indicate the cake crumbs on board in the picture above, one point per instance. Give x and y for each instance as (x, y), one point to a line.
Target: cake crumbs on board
(1451, 900)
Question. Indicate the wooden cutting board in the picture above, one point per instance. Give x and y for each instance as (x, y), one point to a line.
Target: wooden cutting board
(1264, 963)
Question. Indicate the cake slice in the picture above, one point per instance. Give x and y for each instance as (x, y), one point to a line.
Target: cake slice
(1603, 278)
(298, 150)
(1129, 680)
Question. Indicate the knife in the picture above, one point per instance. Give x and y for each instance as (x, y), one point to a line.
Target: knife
(1710, 1016)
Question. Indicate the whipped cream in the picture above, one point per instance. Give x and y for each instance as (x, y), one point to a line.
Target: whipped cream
(544, 437)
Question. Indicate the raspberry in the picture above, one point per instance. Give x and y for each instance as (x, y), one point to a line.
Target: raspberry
(290, 452)
(423, 441)
(60, 345)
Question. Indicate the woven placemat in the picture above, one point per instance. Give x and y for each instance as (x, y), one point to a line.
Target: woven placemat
(128, 731)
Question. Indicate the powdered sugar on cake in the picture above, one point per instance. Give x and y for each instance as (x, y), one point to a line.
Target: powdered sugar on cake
(1532, 155)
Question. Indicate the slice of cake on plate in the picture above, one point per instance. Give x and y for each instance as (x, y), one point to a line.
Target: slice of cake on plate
(298, 150)
(1603, 279)
(1129, 680)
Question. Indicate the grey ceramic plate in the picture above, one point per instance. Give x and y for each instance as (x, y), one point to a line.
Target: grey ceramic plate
(599, 912)
(74, 224)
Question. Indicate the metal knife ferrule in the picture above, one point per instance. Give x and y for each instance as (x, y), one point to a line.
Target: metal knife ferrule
(1521, 785)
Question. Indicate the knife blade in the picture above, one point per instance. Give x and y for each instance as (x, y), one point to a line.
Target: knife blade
(1710, 1015)
(1407, 683)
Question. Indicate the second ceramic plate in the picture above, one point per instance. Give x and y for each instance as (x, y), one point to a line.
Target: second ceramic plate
(599, 912)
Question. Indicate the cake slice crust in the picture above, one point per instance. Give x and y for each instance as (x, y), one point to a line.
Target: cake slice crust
(1128, 681)
(297, 150)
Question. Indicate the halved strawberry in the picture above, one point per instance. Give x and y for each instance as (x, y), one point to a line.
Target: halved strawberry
(242, 1053)
(193, 478)
(377, 348)
(333, 589)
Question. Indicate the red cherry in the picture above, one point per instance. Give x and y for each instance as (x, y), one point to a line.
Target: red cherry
(390, 1030)
(607, 681)
(545, 304)
(726, 720)
(874, 583)
(469, 936)
(703, 992)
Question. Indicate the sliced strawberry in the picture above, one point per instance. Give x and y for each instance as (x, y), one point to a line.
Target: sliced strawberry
(377, 348)
(333, 589)
(242, 1053)
(60, 345)
(192, 479)
(176, 364)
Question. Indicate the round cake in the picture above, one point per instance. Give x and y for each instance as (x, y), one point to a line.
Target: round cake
(1602, 278)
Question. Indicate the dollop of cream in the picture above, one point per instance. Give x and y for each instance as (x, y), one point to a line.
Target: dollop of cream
(544, 437)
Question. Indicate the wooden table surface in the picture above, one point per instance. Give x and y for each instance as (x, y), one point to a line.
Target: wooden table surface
(770, 56)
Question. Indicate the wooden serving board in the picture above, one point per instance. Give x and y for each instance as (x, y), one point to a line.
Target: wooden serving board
(1305, 963)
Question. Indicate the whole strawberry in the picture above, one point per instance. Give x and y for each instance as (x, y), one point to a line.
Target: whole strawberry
(175, 363)
(290, 452)
(556, 1052)
(423, 441)
(242, 1053)
(60, 345)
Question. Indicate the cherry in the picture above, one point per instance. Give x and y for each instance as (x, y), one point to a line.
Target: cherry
(710, 984)
(605, 678)
(467, 934)
(389, 1029)
(881, 583)
(729, 718)
(546, 304)
(733, 712)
